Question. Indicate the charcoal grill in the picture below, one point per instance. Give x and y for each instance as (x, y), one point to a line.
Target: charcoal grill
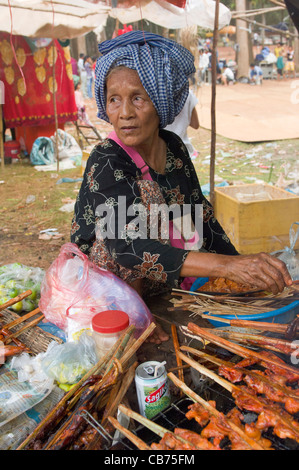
(175, 416)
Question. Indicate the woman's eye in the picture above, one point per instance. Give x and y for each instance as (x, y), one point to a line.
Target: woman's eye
(138, 99)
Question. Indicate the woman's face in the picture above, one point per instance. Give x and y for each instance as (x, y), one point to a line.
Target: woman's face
(129, 108)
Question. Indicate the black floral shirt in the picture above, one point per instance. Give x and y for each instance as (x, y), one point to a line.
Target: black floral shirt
(104, 224)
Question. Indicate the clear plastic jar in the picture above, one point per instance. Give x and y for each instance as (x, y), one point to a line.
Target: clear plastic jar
(107, 327)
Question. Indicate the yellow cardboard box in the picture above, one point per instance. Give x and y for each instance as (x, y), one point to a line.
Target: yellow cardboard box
(256, 217)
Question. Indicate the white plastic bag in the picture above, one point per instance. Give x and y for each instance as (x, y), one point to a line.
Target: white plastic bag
(288, 254)
(67, 363)
(68, 147)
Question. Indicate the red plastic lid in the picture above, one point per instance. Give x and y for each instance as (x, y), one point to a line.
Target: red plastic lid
(110, 321)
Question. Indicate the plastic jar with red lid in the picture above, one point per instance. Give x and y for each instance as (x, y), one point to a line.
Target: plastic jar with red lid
(107, 327)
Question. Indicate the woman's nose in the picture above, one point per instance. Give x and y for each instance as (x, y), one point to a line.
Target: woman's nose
(127, 109)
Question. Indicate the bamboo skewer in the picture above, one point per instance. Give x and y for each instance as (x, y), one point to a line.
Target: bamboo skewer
(136, 345)
(9, 338)
(213, 411)
(15, 300)
(21, 319)
(129, 435)
(274, 344)
(176, 350)
(67, 402)
(115, 400)
(264, 326)
(154, 427)
(70, 394)
(207, 372)
(65, 434)
(240, 350)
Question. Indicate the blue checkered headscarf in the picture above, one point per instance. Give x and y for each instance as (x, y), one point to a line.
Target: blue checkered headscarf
(163, 67)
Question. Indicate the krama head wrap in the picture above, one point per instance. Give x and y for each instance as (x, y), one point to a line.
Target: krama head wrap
(163, 67)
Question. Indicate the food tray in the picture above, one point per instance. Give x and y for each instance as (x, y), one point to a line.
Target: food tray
(284, 314)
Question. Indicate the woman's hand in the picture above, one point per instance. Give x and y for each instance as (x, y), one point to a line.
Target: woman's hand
(260, 271)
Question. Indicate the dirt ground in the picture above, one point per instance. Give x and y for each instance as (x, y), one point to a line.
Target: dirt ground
(30, 200)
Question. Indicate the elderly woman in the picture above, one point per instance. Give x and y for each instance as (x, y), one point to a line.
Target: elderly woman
(141, 85)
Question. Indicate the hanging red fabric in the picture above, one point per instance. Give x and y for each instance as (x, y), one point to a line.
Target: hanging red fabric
(30, 103)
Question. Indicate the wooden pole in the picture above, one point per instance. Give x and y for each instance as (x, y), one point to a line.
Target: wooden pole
(55, 104)
(1, 134)
(213, 102)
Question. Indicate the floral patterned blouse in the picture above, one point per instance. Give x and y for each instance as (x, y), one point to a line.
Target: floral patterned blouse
(104, 225)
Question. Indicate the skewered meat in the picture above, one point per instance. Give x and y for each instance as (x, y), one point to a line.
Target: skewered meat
(159, 446)
(260, 383)
(196, 439)
(233, 374)
(275, 417)
(218, 429)
(267, 419)
(176, 444)
(292, 329)
(272, 393)
(251, 431)
(290, 376)
(199, 413)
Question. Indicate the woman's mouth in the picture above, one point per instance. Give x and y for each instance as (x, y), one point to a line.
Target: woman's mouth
(128, 128)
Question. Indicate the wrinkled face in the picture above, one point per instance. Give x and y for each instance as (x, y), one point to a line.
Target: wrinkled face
(129, 108)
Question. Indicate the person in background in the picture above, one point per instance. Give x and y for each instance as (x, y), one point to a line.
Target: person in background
(279, 50)
(81, 62)
(89, 75)
(82, 115)
(142, 84)
(290, 65)
(256, 39)
(82, 75)
(203, 65)
(255, 74)
(227, 76)
(187, 117)
(280, 64)
(74, 66)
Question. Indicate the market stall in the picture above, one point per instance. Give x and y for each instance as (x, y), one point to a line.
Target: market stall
(227, 377)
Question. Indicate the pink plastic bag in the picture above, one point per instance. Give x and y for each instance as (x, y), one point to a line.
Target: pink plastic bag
(75, 289)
